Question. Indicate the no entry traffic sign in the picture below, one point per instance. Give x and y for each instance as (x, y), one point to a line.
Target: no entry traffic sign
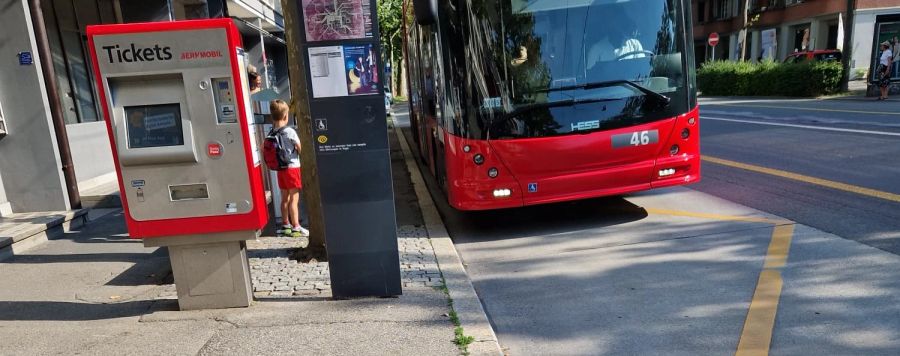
(713, 39)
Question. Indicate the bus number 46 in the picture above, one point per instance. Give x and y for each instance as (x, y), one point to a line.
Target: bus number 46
(640, 138)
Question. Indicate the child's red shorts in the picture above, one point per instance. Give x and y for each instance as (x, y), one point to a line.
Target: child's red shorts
(289, 179)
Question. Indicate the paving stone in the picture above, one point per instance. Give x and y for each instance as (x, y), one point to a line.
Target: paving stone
(274, 274)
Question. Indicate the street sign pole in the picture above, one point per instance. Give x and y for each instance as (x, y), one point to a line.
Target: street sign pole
(713, 40)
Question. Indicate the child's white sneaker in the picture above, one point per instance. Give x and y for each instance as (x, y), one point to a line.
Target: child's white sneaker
(299, 231)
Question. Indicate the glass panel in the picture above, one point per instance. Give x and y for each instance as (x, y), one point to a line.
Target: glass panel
(73, 42)
(154, 125)
(555, 51)
(890, 32)
(145, 11)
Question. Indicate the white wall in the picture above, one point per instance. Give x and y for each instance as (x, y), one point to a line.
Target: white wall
(91, 153)
(29, 160)
(863, 35)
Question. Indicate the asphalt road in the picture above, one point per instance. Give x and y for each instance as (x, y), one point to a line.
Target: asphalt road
(853, 142)
(619, 276)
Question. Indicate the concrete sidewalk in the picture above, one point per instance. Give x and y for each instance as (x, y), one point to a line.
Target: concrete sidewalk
(95, 291)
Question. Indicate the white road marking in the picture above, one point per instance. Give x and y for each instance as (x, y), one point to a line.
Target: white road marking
(880, 133)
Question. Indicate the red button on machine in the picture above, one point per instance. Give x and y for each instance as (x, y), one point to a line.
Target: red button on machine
(214, 150)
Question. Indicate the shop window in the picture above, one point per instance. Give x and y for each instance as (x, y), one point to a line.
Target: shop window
(887, 29)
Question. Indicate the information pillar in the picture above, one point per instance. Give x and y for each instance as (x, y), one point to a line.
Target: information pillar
(349, 127)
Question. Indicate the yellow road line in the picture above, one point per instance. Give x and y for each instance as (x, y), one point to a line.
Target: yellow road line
(892, 113)
(779, 247)
(807, 179)
(756, 337)
(712, 216)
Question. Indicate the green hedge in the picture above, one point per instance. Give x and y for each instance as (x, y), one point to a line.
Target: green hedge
(728, 78)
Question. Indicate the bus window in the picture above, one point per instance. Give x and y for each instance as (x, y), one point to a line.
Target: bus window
(552, 45)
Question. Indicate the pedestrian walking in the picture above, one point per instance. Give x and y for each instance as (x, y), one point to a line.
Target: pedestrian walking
(885, 63)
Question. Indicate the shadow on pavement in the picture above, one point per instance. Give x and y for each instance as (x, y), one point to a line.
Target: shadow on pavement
(73, 311)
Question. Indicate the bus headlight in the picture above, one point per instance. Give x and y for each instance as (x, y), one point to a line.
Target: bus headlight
(685, 133)
(674, 150)
(493, 172)
(479, 159)
(467, 148)
(502, 193)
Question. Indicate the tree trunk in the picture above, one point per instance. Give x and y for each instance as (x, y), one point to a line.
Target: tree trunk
(300, 107)
(847, 52)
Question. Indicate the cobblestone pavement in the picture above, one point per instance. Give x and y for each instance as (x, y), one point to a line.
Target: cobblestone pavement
(275, 275)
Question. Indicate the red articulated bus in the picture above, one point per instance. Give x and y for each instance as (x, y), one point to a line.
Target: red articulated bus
(524, 102)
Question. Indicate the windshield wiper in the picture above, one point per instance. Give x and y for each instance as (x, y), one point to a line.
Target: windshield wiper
(549, 104)
(661, 99)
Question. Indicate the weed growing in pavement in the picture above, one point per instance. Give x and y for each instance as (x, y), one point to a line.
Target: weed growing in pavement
(461, 340)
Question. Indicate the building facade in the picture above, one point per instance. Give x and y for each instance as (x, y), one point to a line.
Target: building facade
(777, 27)
(31, 169)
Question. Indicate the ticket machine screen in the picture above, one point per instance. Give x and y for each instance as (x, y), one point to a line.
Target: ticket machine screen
(154, 125)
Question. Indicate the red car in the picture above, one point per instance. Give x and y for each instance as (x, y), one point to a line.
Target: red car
(816, 55)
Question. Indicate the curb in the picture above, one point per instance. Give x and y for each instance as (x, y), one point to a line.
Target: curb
(468, 307)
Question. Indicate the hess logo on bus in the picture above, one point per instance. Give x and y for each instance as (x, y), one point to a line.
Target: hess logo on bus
(586, 125)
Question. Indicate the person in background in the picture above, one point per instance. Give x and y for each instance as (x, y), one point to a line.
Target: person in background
(255, 82)
(619, 43)
(885, 62)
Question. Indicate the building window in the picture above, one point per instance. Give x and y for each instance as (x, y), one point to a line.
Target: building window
(701, 11)
(66, 22)
(722, 9)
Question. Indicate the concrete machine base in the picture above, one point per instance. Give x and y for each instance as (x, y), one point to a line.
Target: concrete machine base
(211, 271)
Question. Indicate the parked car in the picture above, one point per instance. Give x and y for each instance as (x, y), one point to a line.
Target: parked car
(388, 99)
(824, 55)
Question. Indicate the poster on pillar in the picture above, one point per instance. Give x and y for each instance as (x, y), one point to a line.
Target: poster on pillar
(362, 69)
(329, 20)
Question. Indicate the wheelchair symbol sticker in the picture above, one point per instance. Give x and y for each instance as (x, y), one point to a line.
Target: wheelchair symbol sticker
(532, 187)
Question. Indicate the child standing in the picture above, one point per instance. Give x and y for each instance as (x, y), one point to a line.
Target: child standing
(289, 178)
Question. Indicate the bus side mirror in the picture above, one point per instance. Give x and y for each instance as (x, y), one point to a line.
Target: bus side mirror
(426, 11)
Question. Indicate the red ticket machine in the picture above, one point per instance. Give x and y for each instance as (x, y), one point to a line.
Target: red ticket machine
(176, 102)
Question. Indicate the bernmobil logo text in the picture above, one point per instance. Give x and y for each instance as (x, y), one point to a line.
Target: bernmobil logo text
(133, 53)
(201, 54)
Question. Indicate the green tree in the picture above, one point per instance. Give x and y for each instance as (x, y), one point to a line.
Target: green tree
(390, 22)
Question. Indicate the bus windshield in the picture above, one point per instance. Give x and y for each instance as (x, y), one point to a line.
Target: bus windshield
(555, 50)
